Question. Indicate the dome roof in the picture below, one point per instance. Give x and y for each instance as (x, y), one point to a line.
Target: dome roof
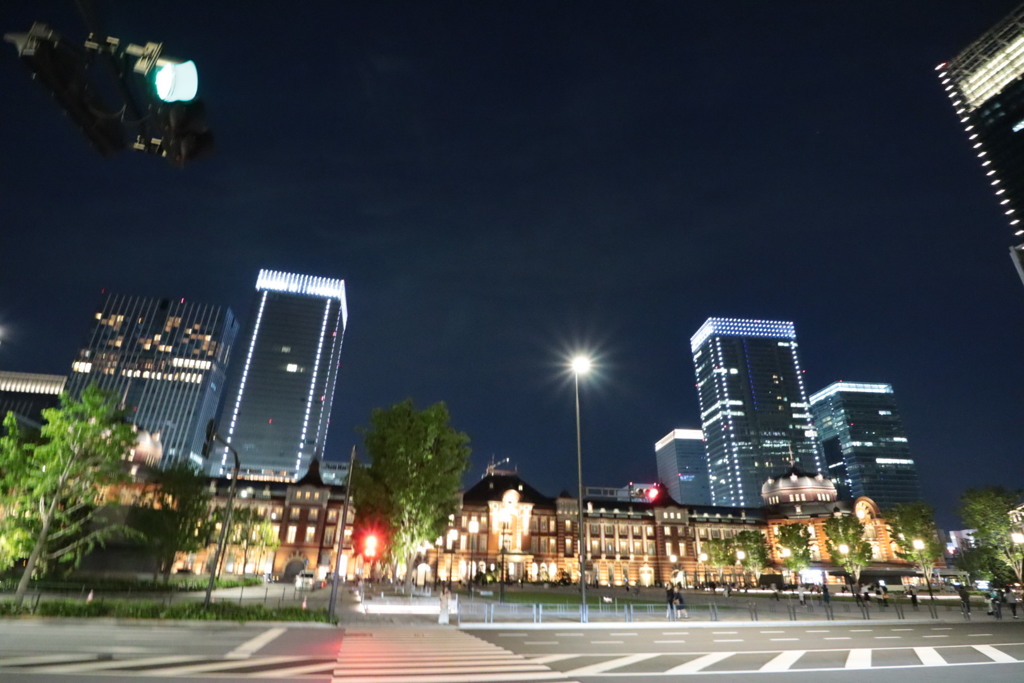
(795, 486)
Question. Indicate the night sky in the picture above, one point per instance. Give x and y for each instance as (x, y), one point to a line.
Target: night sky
(501, 184)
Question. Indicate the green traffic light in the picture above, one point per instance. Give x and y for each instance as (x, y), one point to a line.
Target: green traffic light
(177, 81)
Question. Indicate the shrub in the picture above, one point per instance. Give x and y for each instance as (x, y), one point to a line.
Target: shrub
(8, 608)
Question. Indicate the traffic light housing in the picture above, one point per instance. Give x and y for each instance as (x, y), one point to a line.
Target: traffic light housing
(185, 135)
(211, 435)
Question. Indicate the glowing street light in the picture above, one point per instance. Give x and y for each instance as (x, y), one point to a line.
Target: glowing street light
(474, 529)
(580, 366)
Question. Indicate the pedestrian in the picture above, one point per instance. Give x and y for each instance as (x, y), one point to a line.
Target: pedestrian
(883, 594)
(1012, 600)
(825, 597)
(965, 598)
(670, 601)
(800, 594)
(913, 596)
(775, 591)
(728, 589)
(995, 598)
(442, 615)
(679, 603)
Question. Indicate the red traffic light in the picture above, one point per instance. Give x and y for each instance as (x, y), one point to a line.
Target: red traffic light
(652, 493)
(370, 546)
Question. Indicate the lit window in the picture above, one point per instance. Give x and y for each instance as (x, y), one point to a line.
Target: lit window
(291, 367)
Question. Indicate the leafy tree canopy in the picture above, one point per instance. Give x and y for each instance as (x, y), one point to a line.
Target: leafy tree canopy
(844, 539)
(913, 528)
(755, 550)
(417, 460)
(792, 541)
(987, 510)
(53, 489)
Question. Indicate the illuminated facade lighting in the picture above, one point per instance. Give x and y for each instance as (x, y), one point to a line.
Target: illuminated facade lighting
(166, 359)
(753, 406)
(864, 443)
(280, 397)
(988, 94)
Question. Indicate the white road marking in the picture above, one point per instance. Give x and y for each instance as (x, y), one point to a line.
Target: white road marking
(670, 641)
(942, 636)
(252, 645)
(540, 642)
(859, 658)
(602, 667)
(780, 639)
(606, 642)
(942, 628)
(568, 635)
(818, 630)
(724, 633)
(888, 637)
(622, 634)
(839, 638)
(462, 678)
(901, 629)
(515, 635)
(994, 654)
(771, 631)
(699, 664)
(783, 660)
(728, 640)
(548, 659)
(929, 656)
(972, 635)
(861, 630)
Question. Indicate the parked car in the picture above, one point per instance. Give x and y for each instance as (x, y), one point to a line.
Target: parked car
(305, 580)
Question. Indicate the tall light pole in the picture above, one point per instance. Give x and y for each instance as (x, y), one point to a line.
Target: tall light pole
(580, 366)
(474, 529)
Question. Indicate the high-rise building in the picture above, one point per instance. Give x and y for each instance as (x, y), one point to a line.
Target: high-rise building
(166, 359)
(282, 383)
(753, 406)
(985, 84)
(866, 449)
(682, 466)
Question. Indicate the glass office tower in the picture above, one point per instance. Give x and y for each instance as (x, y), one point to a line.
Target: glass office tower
(865, 446)
(282, 383)
(166, 359)
(682, 466)
(753, 406)
(985, 85)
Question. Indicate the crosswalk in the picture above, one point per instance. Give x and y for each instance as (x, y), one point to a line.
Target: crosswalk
(724, 662)
(432, 656)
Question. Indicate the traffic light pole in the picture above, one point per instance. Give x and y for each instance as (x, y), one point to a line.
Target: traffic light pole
(211, 437)
(336, 577)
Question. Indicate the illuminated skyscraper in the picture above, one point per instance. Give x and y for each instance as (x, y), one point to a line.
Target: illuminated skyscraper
(166, 359)
(682, 466)
(753, 406)
(865, 447)
(985, 85)
(282, 381)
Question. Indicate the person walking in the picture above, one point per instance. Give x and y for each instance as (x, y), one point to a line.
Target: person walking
(965, 599)
(442, 615)
(826, 598)
(1012, 600)
(800, 594)
(680, 603)
(670, 602)
(913, 596)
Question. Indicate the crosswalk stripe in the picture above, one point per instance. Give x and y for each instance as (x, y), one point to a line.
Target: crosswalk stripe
(700, 663)
(210, 667)
(114, 664)
(783, 660)
(601, 667)
(859, 658)
(466, 678)
(994, 654)
(45, 659)
(385, 669)
(929, 656)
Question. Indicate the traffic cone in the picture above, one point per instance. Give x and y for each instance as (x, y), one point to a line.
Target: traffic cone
(303, 603)
(89, 597)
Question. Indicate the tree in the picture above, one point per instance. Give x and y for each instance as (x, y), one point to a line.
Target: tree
(252, 533)
(987, 511)
(173, 515)
(844, 539)
(792, 541)
(721, 554)
(56, 487)
(979, 562)
(416, 464)
(755, 550)
(912, 525)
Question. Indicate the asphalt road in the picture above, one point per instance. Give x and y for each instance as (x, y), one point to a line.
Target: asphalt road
(58, 651)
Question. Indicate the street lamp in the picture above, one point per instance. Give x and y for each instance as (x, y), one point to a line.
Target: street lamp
(438, 545)
(740, 556)
(503, 518)
(453, 535)
(580, 366)
(785, 553)
(474, 529)
(703, 559)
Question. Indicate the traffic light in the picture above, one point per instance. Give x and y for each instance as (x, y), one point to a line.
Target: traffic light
(652, 493)
(62, 67)
(171, 80)
(211, 434)
(369, 546)
(186, 136)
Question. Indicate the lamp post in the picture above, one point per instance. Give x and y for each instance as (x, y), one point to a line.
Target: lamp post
(211, 437)
(703, 559)
(580, 366)
(474, 529)
(438, 544)
(844, 550)
(740, 556)
(504, 541)
(453, 535)
(785, 553)
(918, 545)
